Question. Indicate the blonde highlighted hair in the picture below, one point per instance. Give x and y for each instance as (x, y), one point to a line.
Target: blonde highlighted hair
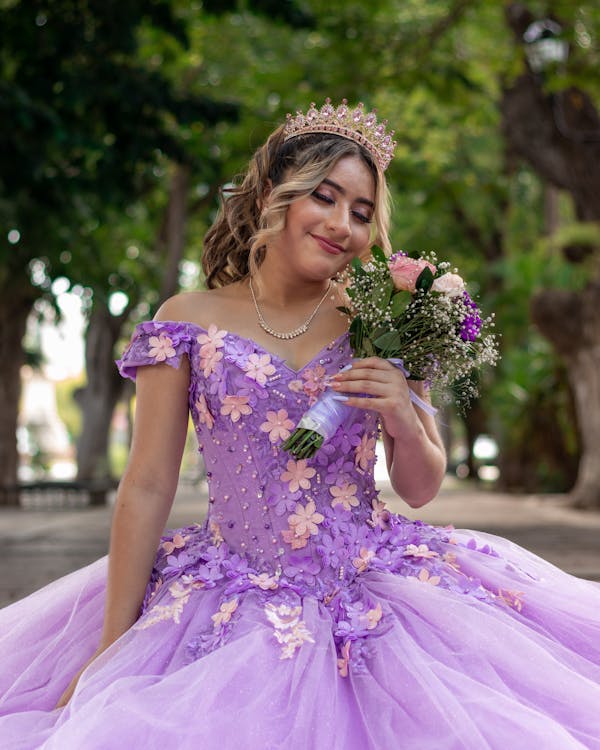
(235, 244)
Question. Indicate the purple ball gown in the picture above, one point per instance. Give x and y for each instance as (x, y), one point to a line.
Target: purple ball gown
(303, 614)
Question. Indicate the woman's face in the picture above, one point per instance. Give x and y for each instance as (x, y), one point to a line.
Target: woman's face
(324, 231)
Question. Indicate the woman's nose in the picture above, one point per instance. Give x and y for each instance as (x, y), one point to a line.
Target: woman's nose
(339, 221)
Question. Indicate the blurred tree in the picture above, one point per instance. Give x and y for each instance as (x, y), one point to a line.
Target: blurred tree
(82, 123)
(556, 128)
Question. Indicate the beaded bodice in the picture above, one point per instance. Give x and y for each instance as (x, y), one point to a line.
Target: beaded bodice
(307, 518)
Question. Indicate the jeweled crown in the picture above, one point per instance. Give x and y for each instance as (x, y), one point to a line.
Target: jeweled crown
(354, 124)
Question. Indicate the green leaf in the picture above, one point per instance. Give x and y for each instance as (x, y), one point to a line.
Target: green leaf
(378, 254)
(345, 310)
(389, 340)
(357, 267)
(399, 303)
(424, 280)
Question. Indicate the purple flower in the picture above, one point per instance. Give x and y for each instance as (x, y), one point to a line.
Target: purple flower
(332, 549)
(471, 324)
(302, 568)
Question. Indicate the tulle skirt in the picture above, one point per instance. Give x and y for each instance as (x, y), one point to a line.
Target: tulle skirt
(449, 672)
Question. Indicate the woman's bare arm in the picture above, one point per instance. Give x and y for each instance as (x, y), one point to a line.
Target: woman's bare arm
(145, 496)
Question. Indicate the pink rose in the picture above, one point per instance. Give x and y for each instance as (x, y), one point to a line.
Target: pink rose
(405, 272)
(450, 284)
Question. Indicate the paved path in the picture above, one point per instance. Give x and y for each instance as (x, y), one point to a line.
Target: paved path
(37, 547)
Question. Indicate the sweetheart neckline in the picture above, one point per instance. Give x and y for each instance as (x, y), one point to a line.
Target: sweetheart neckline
(274, 355)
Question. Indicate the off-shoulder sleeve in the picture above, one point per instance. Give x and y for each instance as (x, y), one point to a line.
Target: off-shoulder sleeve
(154, 342)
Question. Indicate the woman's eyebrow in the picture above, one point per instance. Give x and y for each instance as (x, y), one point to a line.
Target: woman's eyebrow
(341, 190)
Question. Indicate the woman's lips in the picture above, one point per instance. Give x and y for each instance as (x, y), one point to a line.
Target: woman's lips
(330, 247)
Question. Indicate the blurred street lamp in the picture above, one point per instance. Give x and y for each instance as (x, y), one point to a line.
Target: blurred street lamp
(544, 45)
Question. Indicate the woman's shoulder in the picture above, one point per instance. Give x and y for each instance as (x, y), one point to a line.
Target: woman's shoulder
(200, 307)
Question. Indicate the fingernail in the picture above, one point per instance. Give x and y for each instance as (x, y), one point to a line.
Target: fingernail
(339, 397)
(346, 368)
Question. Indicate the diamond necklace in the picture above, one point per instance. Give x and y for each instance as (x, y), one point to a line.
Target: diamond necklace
(288, 334)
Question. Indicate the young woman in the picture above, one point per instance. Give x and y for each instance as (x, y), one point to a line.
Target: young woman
(301, 613)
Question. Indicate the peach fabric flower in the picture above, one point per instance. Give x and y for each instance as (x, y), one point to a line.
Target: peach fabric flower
(277, 425)
(161, 347)
(178, 542)
(373, 616)
(263, 580)
(204, 412)
(225, 611)
(405, 271)
(361, 563)
(364, 452)
(210, 342)
(425, 577)
(296, 542)
(422, 550)
(343, 662)
(305, 519)
(298, 475)
(235, 407)
(380, 515)
(212, 339)
(259, 367)
(344, 495)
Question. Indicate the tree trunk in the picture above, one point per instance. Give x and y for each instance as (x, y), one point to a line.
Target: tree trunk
(571, 322)
(98, 398)
(16, 300)
(559, 135)
(172, 234)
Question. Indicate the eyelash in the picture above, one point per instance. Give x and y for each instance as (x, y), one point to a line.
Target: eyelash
(326, 199)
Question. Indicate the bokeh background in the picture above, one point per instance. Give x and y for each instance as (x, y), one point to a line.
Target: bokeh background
(120, 121)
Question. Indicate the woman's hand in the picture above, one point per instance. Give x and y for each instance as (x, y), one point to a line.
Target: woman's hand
(382, 388)
(66, 696)
(414, 451)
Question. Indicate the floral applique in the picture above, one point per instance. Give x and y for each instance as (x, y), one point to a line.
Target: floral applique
(364, 452)
(298, 475)
(212, 638)
(177, 542)
(225, 612)
(296, 386)
(315, 382)
(425, 577)
(259, 367)
(161, 347)
(343, 661)
(512, 599)
(235, 407)
(302, 524)
(277, 425)
(215, 533)
(373, 616)
(451, 560)
(344, 496)
(210, 342)
(162, 612)
(204, 414)
(264, 581)
(380, 515)
(420, 550)
(361, 563)
(289, 630)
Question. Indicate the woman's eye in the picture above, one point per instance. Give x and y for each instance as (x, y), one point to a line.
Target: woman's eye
(362, 217)
(322, 197)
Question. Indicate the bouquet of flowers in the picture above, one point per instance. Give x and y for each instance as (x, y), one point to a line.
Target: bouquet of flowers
(417, 314)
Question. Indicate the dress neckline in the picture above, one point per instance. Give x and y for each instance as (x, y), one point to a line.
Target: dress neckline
(330, 345)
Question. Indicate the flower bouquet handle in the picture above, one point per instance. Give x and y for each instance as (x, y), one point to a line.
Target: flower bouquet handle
(416, 314)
